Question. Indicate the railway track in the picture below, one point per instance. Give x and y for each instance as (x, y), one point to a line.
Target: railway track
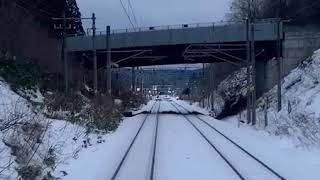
(126, 154)
(236, 169)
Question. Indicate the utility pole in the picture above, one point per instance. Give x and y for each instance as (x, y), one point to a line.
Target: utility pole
(65, 50)
(65, 54)
(95, 68)
(108, 61)
(279, 56)
(64, 47)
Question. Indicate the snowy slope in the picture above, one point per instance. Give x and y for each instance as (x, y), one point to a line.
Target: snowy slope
(64, 138)
(10, 103)
(300, 115)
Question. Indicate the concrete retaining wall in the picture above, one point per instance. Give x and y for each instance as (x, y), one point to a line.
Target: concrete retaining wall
(299, 44)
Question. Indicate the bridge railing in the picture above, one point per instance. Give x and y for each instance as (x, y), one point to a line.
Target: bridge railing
(172, 27)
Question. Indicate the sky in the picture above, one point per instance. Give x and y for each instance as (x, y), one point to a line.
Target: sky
(153, 12)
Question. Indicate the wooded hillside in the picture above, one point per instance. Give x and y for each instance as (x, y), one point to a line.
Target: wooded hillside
(27, 29)
(298, 11)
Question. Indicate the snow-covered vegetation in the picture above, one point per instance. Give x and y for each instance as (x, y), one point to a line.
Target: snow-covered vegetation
(33, 146)
(230, 95)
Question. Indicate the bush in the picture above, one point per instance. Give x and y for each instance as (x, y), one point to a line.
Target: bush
(29, 172)
(50, 159)
(131, 101)
(103, 119)
(72, 103)
(97, 114)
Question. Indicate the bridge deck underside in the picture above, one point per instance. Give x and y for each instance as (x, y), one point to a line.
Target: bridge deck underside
(174, 54)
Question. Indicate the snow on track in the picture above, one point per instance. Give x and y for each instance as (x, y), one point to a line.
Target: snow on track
(192, 108)
(246, 165)
(243, 163)
(183, 154)
(100, 162)
(167, 107)
(291, 162)
(279, 154)
(138, 162)
(140, 150)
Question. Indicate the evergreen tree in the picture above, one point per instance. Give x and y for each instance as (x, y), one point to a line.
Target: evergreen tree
(73, 11)
(44, 10)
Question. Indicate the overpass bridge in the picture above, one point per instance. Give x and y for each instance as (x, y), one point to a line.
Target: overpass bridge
(179, 44)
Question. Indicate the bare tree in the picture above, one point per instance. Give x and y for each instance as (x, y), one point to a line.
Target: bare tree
(298, 11)
(243, 9)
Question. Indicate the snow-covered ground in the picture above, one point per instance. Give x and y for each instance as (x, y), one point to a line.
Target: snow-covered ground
(182, 153)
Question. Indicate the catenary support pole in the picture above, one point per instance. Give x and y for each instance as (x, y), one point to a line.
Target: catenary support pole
(108, 62)
(95, 68)
(253, 60)
(248, 73)
(213, 87)
(279, 76)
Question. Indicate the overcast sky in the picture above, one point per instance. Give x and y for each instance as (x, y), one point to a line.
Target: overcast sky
(153, 12)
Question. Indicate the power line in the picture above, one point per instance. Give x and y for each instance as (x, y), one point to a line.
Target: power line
(134, 16)
(305, 8)
(127, 14)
